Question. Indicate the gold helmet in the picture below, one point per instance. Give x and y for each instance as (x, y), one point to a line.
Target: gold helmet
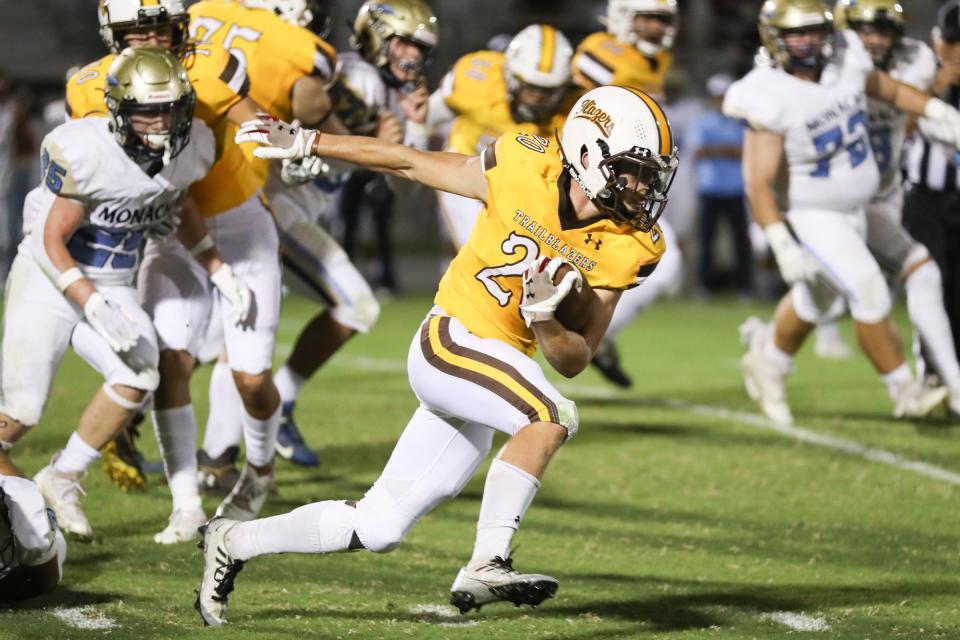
(883, 16)
(780, 16)
(119, 17)
(149, 81)
(848, 13)
(377, 22)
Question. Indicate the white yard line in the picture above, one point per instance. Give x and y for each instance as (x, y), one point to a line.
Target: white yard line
(808, 436)
(802, 434)
(86, 617)
(797, 621)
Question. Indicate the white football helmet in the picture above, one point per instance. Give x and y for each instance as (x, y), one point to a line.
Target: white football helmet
(312, 14)
(120, 16)
(619, 22)
(539, 56)
(617, 144)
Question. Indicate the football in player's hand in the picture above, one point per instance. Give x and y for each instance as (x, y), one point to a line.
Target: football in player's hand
(574, 310)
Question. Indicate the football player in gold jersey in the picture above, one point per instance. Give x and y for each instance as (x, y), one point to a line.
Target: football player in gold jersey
(592, 203)
(394, 38)
(633, 52)
(488, 93)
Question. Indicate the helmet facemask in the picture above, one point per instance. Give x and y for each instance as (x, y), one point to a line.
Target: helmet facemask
(542, 108)
(635, 193)
(144, 85)
(407, 65)
(873, 33)
(651, 47)
(145, 147)
(148, 18)
(806, 52)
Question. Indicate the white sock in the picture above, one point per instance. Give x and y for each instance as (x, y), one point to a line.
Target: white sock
(321, 527)
(260, 437)
(897, 379)
(924, 290)
(780, 359)
(289, 384)
(176, 431)
(224, 423)
(76, 456)
(507, 494)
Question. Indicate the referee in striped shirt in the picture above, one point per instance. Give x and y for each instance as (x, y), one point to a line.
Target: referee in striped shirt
(931, 211)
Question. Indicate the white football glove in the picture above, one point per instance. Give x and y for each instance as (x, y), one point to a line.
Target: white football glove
(234, 291)
(540, 295)
(795, 263)
(277, 139)
(296, 172)
(940, 123)
(111, 321)
(164, 228)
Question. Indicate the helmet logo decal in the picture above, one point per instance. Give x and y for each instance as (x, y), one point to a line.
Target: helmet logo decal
(590, 111)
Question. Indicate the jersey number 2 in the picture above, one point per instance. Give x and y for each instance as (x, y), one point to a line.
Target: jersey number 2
(512, 246)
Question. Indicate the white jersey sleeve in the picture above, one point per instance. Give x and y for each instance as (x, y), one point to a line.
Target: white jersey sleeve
(746, 101)
(914, 63)
(32, 528)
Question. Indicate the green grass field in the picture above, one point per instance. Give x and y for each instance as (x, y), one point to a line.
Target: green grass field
(672, 514)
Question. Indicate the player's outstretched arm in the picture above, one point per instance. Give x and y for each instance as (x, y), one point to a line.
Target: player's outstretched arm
(451, 172)
(939, 120)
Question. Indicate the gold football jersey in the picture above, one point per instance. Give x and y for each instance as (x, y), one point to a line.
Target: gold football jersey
(601, 59)
(220, 83)
(478, 95)
(527, 216)
(276, 54)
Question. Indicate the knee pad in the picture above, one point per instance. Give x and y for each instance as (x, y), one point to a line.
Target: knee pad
(378, 525)
(872, 301)
(123, 402)
(361, 315)
(25, 408)
(816, 309)
(925, 278)
(569, 416)
(917, 255)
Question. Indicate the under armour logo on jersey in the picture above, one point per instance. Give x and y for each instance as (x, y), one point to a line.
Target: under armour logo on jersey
(589, 240)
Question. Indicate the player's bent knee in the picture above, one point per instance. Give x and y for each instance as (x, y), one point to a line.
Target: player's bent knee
(23, 410)
(11, 430)
(568, 416)
(145, 381)
(918, 256)
(379, 530)
(361, 315)
(872, 302)
(127, 396)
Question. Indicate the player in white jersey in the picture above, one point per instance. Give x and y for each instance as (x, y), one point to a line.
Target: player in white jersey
(880, 25)
(379, 91)
(809, 110)
(107, 184)
(32, 548)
